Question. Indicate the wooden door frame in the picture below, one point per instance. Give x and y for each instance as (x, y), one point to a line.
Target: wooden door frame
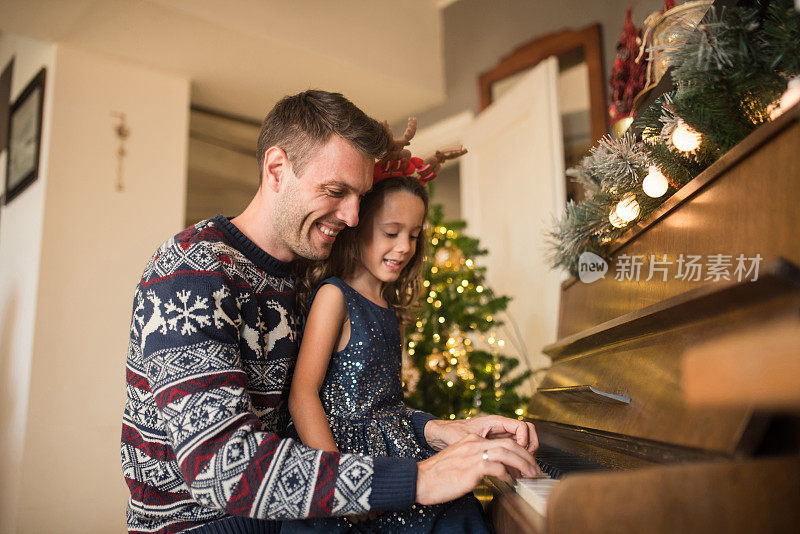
(556, 44)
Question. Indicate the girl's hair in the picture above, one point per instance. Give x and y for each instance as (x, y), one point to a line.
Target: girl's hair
(402, 294)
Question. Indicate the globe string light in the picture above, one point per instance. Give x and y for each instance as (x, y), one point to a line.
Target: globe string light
(655, 184)
(685, 138)
(628, 208)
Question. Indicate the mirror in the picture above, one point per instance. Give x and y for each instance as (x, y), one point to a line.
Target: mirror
(581, 87)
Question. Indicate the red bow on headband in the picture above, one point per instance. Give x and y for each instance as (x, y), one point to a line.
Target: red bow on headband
(400, 162)
(404, 167)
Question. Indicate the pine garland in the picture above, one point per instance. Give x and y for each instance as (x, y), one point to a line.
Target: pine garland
(657, 124)
(728, 72)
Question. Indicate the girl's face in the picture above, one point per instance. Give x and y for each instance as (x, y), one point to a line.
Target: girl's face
(388, 237)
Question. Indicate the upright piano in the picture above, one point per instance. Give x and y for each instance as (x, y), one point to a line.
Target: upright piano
(623, 446)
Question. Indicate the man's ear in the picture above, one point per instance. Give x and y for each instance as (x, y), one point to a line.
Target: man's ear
(275, 168)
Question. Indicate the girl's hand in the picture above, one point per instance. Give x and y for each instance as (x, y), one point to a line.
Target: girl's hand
(439, 434)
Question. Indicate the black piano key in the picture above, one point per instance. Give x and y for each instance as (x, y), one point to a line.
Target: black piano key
(558, 463)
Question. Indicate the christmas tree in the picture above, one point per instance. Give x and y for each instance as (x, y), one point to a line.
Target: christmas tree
(455, 364)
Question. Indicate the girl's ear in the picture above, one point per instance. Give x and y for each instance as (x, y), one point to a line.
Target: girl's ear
(276, 166)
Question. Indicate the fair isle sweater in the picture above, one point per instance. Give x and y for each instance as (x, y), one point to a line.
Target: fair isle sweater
(214, 336)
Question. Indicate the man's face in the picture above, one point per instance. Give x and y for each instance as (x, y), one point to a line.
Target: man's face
(313, 208)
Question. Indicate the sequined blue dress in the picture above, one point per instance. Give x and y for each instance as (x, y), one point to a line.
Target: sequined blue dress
(362, 394)
(363, 398)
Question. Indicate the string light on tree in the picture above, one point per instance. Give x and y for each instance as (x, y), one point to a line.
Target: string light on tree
(457, 306)
(685, 138)
(655, 184)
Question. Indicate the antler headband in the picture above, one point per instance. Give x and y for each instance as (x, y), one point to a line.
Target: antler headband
(399, 162)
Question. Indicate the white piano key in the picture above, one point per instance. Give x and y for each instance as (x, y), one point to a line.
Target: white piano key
(536, 491)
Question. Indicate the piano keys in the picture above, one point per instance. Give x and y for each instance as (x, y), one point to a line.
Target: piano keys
(554, 464)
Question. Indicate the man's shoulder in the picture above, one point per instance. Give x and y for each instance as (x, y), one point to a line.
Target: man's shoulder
(200, 247)
(202, 234)
(208, 248)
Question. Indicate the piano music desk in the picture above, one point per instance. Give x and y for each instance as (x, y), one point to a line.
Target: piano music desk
(759, 368)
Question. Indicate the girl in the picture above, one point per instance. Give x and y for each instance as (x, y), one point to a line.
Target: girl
(346, 392)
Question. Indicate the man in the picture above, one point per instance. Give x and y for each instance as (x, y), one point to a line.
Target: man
(214, 335)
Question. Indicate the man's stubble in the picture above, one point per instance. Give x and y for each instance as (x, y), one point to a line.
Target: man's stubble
(289, 217)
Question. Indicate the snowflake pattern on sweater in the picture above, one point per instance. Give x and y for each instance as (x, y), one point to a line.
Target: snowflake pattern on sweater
(214, 335)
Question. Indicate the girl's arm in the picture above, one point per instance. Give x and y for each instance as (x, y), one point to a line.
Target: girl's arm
(323, 329)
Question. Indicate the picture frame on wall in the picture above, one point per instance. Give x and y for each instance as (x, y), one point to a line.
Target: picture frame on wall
(25, 137)
(5, 106)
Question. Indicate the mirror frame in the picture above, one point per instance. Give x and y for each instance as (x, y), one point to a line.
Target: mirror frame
(556, 44)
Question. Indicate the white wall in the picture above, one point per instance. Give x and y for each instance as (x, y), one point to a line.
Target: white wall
(94, 243)
(20, 247)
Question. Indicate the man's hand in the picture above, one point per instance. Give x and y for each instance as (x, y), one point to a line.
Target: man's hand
(461, 466)
(439, 434)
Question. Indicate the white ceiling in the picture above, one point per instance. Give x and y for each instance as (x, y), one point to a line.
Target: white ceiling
(243, 55)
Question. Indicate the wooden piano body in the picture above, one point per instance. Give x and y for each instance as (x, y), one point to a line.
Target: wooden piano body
(615, 394)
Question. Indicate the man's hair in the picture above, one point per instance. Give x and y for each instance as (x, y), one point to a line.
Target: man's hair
(301, 123)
